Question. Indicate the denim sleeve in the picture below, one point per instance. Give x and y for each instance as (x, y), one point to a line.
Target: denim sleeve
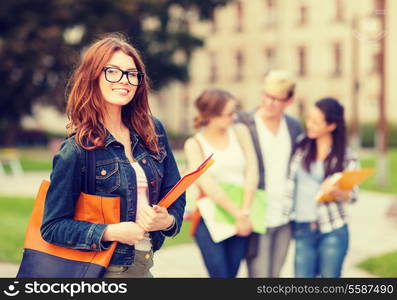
(171, 177)
(58, 225)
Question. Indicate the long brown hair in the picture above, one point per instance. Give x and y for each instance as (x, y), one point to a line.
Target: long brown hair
(334, 113)
(85, 108)
(210, 104)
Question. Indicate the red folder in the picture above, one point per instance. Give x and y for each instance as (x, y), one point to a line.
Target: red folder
(185, 182)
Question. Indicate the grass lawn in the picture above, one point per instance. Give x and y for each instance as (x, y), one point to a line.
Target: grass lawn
(383, 266)
(182, 238)
(14, 217)
(370, 184)
(31, 165)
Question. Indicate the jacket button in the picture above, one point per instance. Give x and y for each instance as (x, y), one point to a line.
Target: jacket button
(144, 161)
(103, 172)
(93, 246)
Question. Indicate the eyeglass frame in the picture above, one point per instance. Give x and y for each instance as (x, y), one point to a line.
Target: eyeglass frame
(140, 79)
(228, 115)
(276, 99)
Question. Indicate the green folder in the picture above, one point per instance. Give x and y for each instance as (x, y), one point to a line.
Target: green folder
(258, 209)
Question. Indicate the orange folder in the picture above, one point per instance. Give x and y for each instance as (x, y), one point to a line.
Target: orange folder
(185, 182)
(346, 181)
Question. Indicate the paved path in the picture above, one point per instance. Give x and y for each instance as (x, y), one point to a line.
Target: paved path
(372, 233)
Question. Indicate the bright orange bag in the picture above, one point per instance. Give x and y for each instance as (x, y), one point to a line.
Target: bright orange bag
(42, 259)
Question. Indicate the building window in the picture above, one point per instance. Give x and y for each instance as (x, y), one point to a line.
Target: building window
(213, 68)
(269, 60)
(214, 25)
(301, 108)
(270, 15)
(337, 53)
(239, 66)
(303, 14)
(376, 63)
(339, 11)
(239, 16)
(302, 61)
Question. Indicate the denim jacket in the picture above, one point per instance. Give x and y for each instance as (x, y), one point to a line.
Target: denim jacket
(114, 177)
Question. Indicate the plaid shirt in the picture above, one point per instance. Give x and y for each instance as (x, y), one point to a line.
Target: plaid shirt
(332, 214)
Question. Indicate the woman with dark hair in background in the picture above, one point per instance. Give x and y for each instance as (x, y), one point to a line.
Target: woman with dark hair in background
(320, 228)
(235, 164)
(109, 114)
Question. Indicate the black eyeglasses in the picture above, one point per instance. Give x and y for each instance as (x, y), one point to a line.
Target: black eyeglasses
(114, 75)
(276, 99)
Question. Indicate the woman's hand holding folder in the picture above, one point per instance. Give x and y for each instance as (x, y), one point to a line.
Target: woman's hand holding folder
(339, 186)
(337, 193)
(331, 187)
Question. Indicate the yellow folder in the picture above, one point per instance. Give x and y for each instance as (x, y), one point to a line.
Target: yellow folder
(346, 181)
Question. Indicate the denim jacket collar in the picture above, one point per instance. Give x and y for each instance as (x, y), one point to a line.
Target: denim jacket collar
(111, 139)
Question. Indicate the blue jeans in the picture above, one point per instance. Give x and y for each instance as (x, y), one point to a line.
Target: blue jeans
(319, 254)
(222, 259)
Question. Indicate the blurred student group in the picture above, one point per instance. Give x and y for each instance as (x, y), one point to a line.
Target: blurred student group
(266, 183)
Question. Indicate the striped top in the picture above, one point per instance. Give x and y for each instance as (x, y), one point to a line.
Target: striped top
(330, 215)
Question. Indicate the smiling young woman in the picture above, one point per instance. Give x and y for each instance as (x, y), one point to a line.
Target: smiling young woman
(109, 114)
(321, 229)
(89, 90)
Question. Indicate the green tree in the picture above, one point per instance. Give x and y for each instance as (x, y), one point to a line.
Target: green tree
(40, 41)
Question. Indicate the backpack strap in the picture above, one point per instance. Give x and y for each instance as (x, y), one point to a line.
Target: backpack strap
(90, 162)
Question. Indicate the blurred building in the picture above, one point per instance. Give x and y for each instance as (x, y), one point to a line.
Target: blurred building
(332, 46)
(46, 118)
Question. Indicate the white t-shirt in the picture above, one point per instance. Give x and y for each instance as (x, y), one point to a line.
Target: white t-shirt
(230, 163)
(276, 152)
(142, 200)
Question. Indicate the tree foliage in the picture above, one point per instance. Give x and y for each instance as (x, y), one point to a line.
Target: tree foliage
(41, 40)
